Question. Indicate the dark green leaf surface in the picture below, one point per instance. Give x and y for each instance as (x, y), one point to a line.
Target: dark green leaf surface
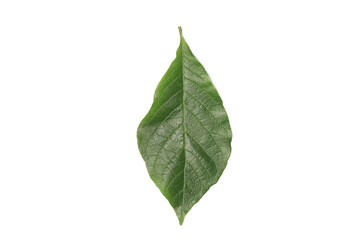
(185, 137)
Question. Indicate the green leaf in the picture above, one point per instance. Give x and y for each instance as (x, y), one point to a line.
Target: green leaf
(185, 137)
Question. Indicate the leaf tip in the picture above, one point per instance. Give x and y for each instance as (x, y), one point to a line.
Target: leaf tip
(181, 220)
(181, 216)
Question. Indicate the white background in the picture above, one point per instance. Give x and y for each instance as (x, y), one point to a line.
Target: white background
(77, 77)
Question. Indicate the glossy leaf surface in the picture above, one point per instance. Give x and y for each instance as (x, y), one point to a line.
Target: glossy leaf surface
(185, 137)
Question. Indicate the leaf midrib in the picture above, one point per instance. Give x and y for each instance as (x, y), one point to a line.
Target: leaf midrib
(183, 122)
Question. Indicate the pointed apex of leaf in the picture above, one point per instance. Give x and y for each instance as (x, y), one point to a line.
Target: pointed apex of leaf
(180, 215)
(181, 219)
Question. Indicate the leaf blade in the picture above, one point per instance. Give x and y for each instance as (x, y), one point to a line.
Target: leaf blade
(185, 139)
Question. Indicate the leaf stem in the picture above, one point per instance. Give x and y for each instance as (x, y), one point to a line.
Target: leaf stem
(180, 31)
